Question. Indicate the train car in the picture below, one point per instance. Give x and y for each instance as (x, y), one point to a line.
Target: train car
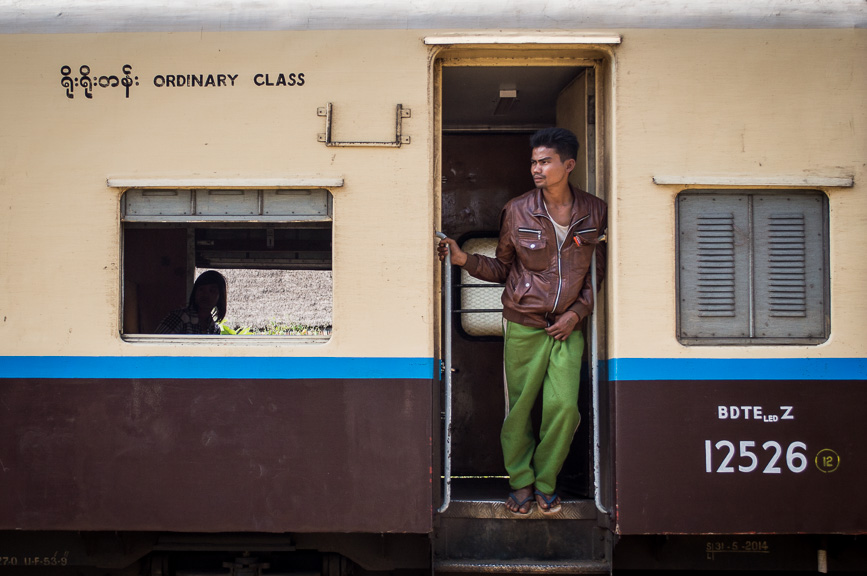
(726, 366)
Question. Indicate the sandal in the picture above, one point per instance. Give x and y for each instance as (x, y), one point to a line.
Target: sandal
(550, 506)
(520, 504)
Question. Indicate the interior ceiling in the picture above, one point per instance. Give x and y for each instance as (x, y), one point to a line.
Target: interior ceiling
(470, 95)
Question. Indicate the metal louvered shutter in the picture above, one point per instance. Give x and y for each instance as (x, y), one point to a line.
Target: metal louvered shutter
(752, 267)
(714, 266)
(791, 268)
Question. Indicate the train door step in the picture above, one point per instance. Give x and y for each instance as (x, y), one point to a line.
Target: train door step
(484, 497)
(483, 536)
(491, 509)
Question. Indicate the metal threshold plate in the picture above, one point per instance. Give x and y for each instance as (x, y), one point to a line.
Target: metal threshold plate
(570, 510)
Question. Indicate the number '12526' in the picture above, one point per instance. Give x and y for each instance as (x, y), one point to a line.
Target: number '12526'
(747, 460)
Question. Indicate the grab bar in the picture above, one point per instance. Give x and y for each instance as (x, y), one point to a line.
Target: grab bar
(594, 379)
(447, 345)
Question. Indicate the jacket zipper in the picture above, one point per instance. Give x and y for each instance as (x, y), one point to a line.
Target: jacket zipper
(536, 233)
(559, 248)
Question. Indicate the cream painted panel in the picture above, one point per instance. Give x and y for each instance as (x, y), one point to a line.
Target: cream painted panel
(735, 103)
(572, 115)
(60, 255)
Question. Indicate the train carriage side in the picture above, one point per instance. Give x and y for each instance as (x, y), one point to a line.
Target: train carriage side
(737, 304)
(129, 161)
(731, 355)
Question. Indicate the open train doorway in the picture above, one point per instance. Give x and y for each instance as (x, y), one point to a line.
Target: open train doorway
(488, 114)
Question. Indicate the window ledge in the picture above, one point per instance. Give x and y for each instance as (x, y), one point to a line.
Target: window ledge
(300, 182)
(782, 181)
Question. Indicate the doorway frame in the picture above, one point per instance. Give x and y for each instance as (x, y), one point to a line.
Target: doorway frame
(548, 51)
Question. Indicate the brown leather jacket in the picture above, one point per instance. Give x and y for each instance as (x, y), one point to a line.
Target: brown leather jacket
(543, 282)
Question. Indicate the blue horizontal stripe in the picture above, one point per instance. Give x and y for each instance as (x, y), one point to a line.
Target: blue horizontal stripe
(256, 368)
(737, 369)
(413, 368)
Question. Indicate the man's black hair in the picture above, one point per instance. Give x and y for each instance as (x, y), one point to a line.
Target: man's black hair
(561, 140)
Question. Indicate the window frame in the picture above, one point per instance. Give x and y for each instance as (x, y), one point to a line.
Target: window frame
(259, 217)
(753, 305)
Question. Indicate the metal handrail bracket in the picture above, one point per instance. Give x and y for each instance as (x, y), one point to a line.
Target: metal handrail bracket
(399, 138)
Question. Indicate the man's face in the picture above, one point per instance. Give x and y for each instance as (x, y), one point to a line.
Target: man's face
(547, 169)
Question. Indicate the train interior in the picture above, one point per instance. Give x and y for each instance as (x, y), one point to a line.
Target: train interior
(488, 115)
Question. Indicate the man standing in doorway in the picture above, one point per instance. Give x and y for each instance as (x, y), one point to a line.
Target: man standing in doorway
(547, 238)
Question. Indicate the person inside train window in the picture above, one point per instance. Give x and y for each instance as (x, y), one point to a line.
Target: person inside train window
(206, 308)
(547, 238)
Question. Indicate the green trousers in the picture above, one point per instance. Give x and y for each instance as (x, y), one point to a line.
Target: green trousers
(534, 362)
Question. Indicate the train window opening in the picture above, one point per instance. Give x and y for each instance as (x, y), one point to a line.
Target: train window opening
(274, 248)
(753, 267)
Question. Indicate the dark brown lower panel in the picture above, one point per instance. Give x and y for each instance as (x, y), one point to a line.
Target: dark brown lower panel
(736, 554)
(216, 455)
(727, 457)
(136, 553)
